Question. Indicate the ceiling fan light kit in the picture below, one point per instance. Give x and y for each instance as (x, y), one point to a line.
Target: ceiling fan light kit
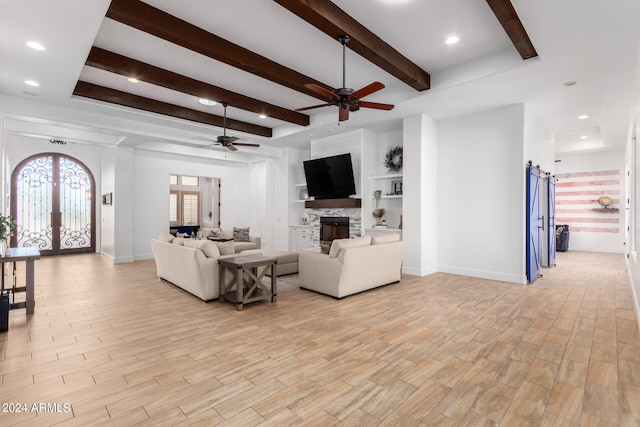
(346, 99)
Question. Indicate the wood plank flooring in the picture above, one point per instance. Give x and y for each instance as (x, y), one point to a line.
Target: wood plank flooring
(112, 344)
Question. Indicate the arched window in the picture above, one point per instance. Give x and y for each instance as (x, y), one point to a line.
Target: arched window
(52, 200)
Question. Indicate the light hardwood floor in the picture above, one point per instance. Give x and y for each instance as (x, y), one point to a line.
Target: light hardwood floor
(124, 348)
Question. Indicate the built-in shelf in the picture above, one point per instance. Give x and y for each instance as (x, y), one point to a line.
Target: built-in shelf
(606, 210)
(390, 196)
(333, 203)
(301, 185)
(397, 175)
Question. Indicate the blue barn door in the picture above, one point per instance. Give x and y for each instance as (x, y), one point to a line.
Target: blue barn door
(533, 224)
(551, 214)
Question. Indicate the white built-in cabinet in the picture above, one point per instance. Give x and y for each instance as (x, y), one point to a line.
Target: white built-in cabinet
(300, 237)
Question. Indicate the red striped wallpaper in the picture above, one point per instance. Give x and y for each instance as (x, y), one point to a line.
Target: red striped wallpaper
(577, 195)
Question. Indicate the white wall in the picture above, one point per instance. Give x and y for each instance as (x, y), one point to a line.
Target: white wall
(481, 203)
(632, 168)
(539, 146)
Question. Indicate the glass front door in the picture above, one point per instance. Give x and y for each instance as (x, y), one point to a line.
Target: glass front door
(52, 202)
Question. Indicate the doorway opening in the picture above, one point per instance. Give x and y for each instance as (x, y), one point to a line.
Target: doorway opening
(52, 201)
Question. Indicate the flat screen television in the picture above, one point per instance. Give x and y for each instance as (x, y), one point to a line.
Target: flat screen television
(330, 177)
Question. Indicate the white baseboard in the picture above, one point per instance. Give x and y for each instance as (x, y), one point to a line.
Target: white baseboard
(483, 274)
(634, 295)
(420, 272)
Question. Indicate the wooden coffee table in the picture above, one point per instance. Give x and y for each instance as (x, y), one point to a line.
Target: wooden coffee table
(248, 284)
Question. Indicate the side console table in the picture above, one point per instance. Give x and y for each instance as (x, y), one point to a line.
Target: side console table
(23, 254)
(248, 283)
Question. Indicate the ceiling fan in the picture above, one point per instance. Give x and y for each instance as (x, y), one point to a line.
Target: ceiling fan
(228, 142)
(346, 98)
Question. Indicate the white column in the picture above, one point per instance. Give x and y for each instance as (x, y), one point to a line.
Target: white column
(420, 153)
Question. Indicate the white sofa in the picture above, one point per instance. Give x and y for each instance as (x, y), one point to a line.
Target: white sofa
(255, 242)
(189, 268)
(352, 265)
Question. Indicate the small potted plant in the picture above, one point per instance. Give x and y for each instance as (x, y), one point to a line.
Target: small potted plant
(378, 212)
(7, 225)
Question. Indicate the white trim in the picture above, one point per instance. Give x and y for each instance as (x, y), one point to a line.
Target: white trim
(482, 274)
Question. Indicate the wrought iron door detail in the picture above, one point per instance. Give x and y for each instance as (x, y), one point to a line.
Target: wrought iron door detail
(75, 205)
(34, 204)
(53, 203)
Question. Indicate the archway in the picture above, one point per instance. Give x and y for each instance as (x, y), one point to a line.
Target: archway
(52, 201)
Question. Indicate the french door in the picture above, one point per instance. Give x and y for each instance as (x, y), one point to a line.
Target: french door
(52, 202)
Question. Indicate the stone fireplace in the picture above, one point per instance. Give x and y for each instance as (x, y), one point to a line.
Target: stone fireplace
(353, 224)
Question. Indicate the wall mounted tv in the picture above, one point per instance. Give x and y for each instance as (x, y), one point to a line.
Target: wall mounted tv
(330, 177)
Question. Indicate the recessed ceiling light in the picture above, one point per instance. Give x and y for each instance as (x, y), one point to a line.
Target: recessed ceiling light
(35, 45)
(205, 101)
(31, 83)
(583, 137)
(395, 1)
(263, 116)
(584, 116)
(570, 83)
(452, 40)
(133, 80)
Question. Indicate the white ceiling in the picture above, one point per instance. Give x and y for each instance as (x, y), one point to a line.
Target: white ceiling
(591, 42)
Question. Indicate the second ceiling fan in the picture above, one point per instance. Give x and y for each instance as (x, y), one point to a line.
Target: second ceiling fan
(228, 142)
(346, 98)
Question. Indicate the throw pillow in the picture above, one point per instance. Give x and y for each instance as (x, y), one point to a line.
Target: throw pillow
(217, 233)
(209, 249)
(206, 232)
(184, 235)
(385, 238)
(226, 248)
(179, 241)
(166, 237)
(241, 234)
(340, 244)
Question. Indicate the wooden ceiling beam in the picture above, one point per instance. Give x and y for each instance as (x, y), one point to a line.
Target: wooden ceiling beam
(113, 96)
(333, 21)
(129, 67)
(149, 19)
(506, 14)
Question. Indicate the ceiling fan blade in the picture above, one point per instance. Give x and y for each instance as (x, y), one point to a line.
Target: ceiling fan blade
(368, 90)
(320, 90)
(204, 138)
(376, 105)
(343, 114)
(313, 106)
(354, 107)
(246, 144)
(230, 147)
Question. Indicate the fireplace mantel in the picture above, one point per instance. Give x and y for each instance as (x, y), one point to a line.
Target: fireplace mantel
(333, 203)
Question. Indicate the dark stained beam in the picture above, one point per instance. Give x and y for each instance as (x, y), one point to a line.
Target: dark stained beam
(113, 96)
(333, 21)
(506, 14)
(154, 21)
(119, 64)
